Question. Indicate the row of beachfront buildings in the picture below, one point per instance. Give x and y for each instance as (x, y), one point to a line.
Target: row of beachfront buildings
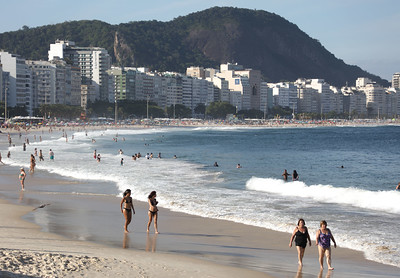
(74, 75)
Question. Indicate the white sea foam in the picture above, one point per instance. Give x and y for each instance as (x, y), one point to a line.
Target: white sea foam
(388, 201)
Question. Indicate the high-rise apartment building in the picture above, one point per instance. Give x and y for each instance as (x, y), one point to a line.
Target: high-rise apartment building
(93, 62)
(375, 99)
(396, 80)
(266, 98)
(54, 82)
(197, 72)
(123, 84)
(245, 81)
(285, 95)
(362, 82)
(19, 91)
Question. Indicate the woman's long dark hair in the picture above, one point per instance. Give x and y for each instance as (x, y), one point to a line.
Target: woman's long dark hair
(152, 194)
(126, 192)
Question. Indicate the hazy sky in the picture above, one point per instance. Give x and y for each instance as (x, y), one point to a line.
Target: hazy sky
(361, 32)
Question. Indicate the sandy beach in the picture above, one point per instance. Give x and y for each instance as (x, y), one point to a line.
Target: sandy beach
(81, 235)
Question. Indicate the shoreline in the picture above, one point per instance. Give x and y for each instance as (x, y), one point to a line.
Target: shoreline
(222, 241)
(228, 243)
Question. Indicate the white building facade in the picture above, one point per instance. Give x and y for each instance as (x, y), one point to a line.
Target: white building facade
(93, 62)
(19, 89)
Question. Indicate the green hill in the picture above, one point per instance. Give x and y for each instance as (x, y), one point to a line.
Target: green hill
(255, 39)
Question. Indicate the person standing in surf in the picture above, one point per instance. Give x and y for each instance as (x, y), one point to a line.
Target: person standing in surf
(127, 209)
(323, 240)
(32, 164)
(285, 175)
(295, 175)
(300, 236)
(22, 176)
(51, 155)
(153, 211)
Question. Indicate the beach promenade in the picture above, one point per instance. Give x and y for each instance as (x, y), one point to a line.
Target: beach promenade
(187, 246)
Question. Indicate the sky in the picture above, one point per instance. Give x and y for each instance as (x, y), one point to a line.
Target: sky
(365, 33)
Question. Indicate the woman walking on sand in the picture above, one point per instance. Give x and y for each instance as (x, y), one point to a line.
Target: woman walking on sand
(323, 240)
(22, 176)
(153, 211)
(127, 209)
(300, 236)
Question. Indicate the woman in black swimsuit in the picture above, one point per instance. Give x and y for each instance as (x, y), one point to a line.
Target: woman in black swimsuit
(301, 234)
(153, 211)
(127, 209)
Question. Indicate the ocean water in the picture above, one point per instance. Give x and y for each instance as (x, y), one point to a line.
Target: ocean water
(357, 200)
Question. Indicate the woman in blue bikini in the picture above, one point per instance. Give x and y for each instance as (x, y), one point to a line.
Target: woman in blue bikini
(323, 240)
(127, 209)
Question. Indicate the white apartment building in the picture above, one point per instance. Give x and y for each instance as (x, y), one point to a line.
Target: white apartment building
(19, 89)
(337, 100)
(266, 98)
(354, 102)
(391, 102)
(327, 98)
(223, 87)
(173, 88)
(43, 82)
(55, 82)
(144, 88)
(87, 94)
(93, 61)
(246, 81)
(285, 95)
(189, 89)
(375, 95)
(396, 80)
(362, 82)
(197, 72)
(309, 100)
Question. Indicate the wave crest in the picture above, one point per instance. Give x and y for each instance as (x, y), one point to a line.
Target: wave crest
(387, 201)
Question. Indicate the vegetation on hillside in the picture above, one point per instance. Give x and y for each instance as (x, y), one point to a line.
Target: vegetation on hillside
(256, 39)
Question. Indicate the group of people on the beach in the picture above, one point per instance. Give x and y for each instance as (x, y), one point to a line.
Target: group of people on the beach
(127, 209)
(323, 241)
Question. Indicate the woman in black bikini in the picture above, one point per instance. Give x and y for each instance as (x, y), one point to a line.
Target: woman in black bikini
(301, 234)
(127, 209)
(153, 211)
